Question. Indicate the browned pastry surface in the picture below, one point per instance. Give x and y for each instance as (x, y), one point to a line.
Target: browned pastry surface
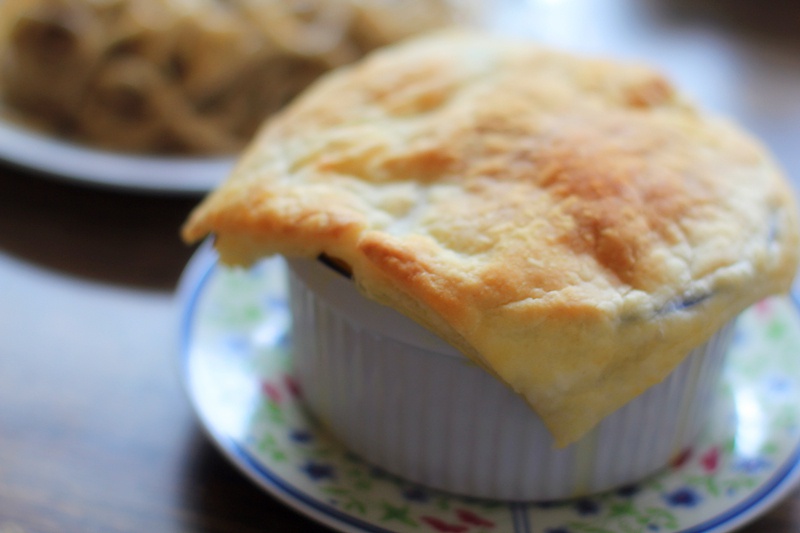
(573, 225)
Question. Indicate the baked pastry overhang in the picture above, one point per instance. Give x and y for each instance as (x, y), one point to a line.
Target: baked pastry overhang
(572, 225)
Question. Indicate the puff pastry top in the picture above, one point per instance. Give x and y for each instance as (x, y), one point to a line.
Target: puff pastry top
(572, 225)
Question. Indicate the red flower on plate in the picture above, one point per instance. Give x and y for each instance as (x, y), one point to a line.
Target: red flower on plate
(468, 517)
(763, 308)
(682, 458)
(440, 525)
(710, 459)
(271, 391)
(292, 386)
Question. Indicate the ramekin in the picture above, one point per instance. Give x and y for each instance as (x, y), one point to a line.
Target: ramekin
(408, 402)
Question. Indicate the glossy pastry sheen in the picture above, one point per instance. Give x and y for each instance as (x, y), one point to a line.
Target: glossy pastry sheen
(572, 225)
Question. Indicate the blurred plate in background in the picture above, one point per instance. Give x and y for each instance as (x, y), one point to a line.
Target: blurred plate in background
(71, 162)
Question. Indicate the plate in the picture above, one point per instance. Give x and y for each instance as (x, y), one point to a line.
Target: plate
(235, 361)
(80, 164)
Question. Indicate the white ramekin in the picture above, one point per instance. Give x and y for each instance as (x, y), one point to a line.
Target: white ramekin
(409, 403)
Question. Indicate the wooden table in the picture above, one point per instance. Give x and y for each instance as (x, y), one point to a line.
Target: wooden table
(96, 434)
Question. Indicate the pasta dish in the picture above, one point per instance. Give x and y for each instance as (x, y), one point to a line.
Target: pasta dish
(183, 76)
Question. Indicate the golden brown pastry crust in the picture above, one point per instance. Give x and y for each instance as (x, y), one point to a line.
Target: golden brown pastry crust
(572, 225)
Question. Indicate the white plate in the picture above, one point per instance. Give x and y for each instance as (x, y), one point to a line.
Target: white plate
(72, 162)
(235, 360)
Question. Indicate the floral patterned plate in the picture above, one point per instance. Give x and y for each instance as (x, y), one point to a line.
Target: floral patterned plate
(235, 361)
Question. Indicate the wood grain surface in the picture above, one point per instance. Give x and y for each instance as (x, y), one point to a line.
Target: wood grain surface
(96, 434)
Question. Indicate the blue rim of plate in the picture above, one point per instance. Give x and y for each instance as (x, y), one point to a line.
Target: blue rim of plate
(200, 273)
(89, 166)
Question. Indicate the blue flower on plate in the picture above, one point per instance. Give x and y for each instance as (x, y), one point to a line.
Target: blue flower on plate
(235, 343)
(301, 436)
(739, 336)
(779, 384)
(683, 497)
(319, 471)
(751, 465)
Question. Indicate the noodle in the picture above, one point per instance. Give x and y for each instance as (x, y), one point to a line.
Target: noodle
(183, 76)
